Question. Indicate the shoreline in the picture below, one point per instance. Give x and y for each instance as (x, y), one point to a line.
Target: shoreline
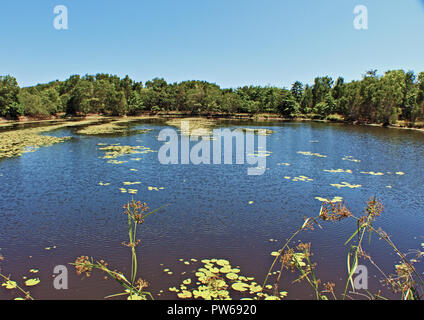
(4, 123)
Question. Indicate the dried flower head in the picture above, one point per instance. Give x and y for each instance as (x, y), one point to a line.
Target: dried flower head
(83, 266)
(374, 208)
(334, 211)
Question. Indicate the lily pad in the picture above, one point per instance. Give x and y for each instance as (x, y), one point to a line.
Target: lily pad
(32, 282)
(232, 276)
(185, 295)
(9, 284)
(240, 286)
(222, 262)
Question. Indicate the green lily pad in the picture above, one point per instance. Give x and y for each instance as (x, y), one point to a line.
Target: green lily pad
(222, 262)
(185, 295)
(225, 269)
(32, 282)
(9, 285)
(272, 298)
(240, 286)
(255, 288)
(232, 276)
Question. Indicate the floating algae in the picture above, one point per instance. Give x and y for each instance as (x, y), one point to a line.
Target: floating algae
(259, 132)
(335, 199)
(155, 188)
(338, 171)
(308, 153)
(116, 151)
(32, 282)
(299, 178)
(350, 158)
(260, 153)
(128, 183)
(346, 185)
(112, 127)
(193, 126)
(15, 143)
(373, 173)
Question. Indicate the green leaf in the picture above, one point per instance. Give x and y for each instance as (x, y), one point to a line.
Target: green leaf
(32, 282)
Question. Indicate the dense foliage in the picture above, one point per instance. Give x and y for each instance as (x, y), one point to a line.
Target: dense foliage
(396, 95)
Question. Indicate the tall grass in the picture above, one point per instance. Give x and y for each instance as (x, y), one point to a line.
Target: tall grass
(407, 283)
(136, 212)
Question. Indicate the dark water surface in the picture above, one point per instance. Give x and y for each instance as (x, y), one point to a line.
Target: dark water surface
(51, 198)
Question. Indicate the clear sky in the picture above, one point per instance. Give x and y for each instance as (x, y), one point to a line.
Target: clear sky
(228, 42)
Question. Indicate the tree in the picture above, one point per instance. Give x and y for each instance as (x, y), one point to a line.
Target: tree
(81, 97)
(135, 104)
(322, 86)
(9, 102)
(306, 104)
(297, 91)
(391, 96)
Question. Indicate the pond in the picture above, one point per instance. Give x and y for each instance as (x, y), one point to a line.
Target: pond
(66, 200)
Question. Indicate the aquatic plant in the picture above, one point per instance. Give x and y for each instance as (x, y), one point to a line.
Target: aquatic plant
(136, 213)
(116, 151)
(16, 142)
(216, 279)
(113, 127)
(262, 132)
(10, 284)
(406, 282)
(308, 153)
(196, 126)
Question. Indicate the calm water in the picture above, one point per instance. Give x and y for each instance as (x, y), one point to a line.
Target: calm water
(52, 198)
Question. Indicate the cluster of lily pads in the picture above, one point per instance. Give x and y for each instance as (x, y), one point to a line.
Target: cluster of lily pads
(216, 279)
(11, 285)
(15, 143)
(109, 128)
(114, 151)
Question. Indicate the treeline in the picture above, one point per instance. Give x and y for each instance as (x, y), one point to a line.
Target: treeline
(396, 95)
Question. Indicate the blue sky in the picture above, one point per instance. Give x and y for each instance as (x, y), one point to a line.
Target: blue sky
(228, 42)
